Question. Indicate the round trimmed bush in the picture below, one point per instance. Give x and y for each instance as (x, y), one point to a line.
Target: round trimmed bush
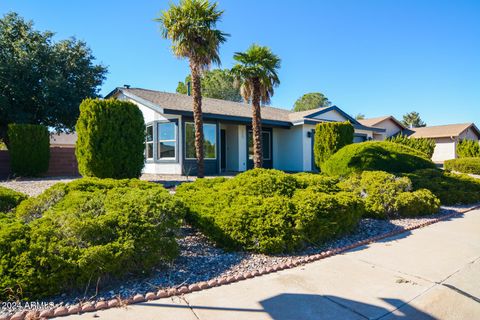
(320, 216)
(111, 139)
(375, 155)
(29, 149)
(417, 203)
(463, 165)
(9, 199)
(87, 230)
(260, 211)
(387, 196)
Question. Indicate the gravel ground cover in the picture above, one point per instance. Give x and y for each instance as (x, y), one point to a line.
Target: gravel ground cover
(34, 186)
(200, 260)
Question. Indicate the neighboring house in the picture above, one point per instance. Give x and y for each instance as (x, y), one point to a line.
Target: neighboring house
(446, 138)
(63, 140)
(391, 125)
(287, 136)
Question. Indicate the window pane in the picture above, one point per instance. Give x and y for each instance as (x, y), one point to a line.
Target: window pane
(189, 141)
(166, 149)
(149, 134)
(266, 145)
(210, 140)
(166, 131)
(150, 150)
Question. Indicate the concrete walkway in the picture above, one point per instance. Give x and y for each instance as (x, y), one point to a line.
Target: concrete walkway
(430, 273)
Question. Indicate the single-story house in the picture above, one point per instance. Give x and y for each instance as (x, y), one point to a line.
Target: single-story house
(287, 136)
(446, 138)
(391, 125)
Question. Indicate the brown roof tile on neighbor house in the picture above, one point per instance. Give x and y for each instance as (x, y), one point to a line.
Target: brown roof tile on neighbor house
(182, 102)
(449, 130)
(371, 122)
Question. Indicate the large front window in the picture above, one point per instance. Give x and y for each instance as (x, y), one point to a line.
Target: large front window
(149, 142)
(266, 146)
(209, 144)
(167, 141)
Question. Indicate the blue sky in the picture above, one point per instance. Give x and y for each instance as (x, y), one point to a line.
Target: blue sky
(370, 57)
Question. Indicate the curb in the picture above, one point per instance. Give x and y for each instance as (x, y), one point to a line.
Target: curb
(200, 286)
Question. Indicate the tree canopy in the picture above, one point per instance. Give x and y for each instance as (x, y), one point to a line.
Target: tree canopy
(42, 81)
(216, 83)
(413, 120)
(311, 101)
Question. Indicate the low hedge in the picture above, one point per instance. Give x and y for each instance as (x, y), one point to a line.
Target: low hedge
(375, 155)
(75, 234)
(463, 165)
(29, 149)
(387, 196)
(268, 211)
(9, 199)
(450, 188)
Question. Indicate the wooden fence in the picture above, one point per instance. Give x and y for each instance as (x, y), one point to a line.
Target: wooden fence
(62, 163)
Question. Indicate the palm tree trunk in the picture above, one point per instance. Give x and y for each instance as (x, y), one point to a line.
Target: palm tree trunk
(197, 117)
(257, 125)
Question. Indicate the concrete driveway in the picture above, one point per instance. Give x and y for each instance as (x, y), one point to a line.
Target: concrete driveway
(430, 273)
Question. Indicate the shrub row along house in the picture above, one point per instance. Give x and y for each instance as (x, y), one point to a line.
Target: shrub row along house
(287, 136)
(446, 137)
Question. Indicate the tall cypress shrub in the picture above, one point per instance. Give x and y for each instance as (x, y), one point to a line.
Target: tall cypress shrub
(329, 138)
(111, 139)
(29, 149)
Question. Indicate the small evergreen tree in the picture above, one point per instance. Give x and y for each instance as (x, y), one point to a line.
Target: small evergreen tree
(329, 138)
(111, 139)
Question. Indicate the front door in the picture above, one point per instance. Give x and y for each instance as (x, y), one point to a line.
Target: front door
(266, 146)
(223, 150)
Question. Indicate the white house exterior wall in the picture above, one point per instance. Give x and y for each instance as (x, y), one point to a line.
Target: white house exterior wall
(469, 134)
(150, 116)
(444, 149)
(390, 127)
(331, 116)
(288, 148)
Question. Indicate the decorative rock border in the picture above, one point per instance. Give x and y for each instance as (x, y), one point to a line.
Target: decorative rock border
(165, 293)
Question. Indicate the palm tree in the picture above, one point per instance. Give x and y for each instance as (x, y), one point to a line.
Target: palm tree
(190, 26)
(256, 74)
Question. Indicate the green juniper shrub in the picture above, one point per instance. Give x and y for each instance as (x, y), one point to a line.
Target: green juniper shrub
(329, 138)
(424, 145)
(468, 149)
(387, 196)
(463, 165)
(416, 203)
(320, 182)
(29, 149)
(450, 188)
(376, 155)
(263, 183)
(257, 211)
(321, 216)
(9, 199)
(93, 229)
(111, 139)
